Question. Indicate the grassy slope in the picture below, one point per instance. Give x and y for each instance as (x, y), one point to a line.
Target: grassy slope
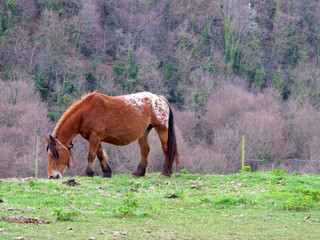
(240, 206)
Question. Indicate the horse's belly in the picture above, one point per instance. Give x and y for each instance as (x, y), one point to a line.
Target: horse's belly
(124, 136)
(120, 140)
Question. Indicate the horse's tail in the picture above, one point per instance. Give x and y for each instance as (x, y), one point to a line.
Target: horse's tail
(172, 152)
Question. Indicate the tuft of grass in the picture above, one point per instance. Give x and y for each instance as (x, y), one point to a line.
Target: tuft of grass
(128, 207)
(297, 203)
(69, 215)
(313, 194)
(184, 171)
(278, 172)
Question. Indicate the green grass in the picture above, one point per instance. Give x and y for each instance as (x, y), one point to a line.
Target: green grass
(272, 205)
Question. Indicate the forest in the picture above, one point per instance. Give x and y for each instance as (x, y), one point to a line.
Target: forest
(228, 68)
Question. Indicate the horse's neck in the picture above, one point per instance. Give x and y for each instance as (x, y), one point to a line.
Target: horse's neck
(66, 130)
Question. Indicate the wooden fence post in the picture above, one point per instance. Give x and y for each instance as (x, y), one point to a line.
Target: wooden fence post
(243, 152)
(37, 153)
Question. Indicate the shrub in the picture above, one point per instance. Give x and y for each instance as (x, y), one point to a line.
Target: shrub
(303, 130)
(264, 133)
(24, 118)
(215, 134)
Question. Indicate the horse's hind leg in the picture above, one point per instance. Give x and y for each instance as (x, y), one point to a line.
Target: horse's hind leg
(163, 135)
(103, 158)
(144, 151)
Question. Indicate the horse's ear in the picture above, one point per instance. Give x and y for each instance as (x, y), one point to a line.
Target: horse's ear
(47, 139)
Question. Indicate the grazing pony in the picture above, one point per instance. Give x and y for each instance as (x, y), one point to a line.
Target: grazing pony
(116, 120)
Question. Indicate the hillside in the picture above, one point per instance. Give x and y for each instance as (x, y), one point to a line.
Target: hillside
(229, 68)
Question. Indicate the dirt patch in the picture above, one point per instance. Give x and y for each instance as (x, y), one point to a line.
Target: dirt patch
(71, 183)
(25, 220)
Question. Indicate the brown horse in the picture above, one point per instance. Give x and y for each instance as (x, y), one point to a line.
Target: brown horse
(116, 120)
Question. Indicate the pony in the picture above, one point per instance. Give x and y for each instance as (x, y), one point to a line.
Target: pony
(117, 120)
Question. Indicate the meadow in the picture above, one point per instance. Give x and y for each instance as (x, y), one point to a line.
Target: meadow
(259, 205)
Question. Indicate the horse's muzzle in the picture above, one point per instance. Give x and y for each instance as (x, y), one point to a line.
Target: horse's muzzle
(55, 176)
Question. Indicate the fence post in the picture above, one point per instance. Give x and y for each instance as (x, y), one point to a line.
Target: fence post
(37, 153)
(243, 152)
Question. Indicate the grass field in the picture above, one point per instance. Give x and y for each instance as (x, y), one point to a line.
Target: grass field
(272, 205)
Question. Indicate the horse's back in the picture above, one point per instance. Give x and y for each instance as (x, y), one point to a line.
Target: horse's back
(149, 103)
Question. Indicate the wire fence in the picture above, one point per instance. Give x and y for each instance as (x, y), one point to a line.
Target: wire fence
(295, 165)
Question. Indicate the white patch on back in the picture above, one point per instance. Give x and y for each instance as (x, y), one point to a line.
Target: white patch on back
(158, 105)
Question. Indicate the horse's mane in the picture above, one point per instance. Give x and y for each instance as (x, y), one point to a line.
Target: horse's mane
(53, 150)
(70, 110)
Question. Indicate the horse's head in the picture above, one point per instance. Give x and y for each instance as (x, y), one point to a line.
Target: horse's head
(59, 157)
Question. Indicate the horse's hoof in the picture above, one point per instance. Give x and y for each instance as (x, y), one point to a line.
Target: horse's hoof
(138, 173)
(107, 175)
(135, 176)
(89, 172)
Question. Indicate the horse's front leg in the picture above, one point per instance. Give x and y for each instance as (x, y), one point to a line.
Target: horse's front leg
(94, 142)
(103, 158)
